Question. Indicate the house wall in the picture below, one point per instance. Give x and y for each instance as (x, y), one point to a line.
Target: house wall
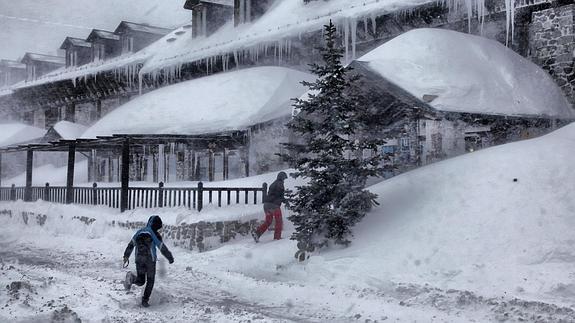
(552, 40)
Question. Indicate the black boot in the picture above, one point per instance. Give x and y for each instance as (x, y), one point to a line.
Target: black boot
(145, 303)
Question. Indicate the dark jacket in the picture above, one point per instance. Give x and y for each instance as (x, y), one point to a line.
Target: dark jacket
(146, 240)
(276, 194)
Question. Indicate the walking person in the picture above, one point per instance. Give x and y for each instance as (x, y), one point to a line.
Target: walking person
(146, 240)
(272, 204)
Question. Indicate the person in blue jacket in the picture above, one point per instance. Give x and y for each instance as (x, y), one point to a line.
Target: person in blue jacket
(146, 240)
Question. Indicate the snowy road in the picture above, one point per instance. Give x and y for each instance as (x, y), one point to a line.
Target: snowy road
(55, 280)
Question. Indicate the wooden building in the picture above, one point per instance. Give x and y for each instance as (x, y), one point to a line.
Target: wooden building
(40, 64)
(134, 37)
(11, 72)
(78, 51)
(105, 45)
(209, 15)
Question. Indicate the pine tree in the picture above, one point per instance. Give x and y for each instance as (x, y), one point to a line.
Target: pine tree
(334, 126)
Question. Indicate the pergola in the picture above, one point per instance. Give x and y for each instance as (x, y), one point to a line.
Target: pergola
(122, 144)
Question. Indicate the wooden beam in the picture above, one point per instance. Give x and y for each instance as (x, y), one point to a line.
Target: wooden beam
(70, 174)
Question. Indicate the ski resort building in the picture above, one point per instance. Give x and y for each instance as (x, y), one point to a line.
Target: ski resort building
(223, 36)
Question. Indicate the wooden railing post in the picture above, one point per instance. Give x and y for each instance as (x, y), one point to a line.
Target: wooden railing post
(13, 192)
(200, 196)
(29, 168)
(264, 191)
(47, 192)
(95, 194)
(161, 194)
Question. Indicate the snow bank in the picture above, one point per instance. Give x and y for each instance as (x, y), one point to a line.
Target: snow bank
(69, 130)
(468, 74)
(222, 102)
(498, 220)
(16, 133)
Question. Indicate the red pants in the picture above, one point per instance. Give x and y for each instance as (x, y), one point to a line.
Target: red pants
(270, 215)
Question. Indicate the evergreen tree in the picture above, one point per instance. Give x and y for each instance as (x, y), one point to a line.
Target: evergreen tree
(333, 127)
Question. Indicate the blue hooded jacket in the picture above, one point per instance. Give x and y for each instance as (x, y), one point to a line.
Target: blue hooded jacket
(151, 230)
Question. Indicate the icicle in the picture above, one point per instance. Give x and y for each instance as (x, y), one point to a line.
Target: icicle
(353, 32)
(374, 25)
(346, 32)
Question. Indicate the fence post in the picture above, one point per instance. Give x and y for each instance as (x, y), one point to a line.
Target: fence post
(13, 192)
(264, 191)
(47, 192)
(161, 194)
(94, 194)
(200, 196)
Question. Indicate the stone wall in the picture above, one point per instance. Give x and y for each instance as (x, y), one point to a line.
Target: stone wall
(552, 41)
(201, 236)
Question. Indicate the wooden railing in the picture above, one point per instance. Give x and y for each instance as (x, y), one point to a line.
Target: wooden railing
(142, 197)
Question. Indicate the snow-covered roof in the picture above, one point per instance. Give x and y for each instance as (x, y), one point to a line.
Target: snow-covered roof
(103, 34)
(74, 42)
(60, 60)
(16, 133)
(69, 130)
(467, 74)
(123, 62)
(12, 64)
(190, 4)
(141, 27)
(222, 102)
(286, 18)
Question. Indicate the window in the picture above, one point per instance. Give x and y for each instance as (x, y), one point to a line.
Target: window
(99, 52)
(127, 44)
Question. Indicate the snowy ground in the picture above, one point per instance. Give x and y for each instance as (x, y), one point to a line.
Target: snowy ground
(457, 241)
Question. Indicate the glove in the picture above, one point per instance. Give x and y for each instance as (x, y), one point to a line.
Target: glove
(171, 261)
(126, 262)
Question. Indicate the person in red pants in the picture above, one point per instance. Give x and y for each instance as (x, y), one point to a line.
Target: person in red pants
(272, 204)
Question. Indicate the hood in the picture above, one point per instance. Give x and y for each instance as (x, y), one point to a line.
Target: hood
(155, 222)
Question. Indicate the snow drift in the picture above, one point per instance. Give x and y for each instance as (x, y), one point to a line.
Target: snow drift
(468, 74)
(16, 133)
(498, 220)
(226, 101)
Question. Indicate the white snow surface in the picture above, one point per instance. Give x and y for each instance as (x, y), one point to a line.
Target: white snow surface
(468, 74)
(16, 133)
(69, 130)
(456, 241)
(221, 102)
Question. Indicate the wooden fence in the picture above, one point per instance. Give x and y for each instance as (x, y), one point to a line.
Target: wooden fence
(142, 197)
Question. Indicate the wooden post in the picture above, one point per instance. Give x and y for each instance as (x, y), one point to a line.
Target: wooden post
(226, 170)
(70, 174)
(264, 191)
(95, 194)
(29, 167)
(13, 192)
(0, 170)
(161, 194)
(125, 175)
(211, 168)
(47, 192)
(198, 165)
(200, 196)
(247, 161)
